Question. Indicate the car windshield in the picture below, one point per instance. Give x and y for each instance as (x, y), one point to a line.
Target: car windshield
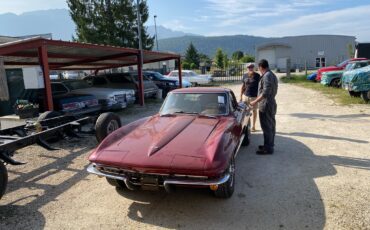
(342, 63)
(158, 76)
(117, 79)
(195, 103)
(350, 66)
(192, 73)
(73, 85)
(174, 74)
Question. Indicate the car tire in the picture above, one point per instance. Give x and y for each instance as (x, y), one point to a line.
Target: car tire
(365, 96)
(335, 83)
(3, 179)
(226, 189)
(247, 133)
(354, 94)
(116, 183)
(106, 124)
(48, 115)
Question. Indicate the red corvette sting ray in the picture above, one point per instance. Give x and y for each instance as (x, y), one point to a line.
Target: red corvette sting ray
(192, 141)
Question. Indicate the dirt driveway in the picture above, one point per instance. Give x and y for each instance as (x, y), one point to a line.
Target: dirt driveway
(318, 178)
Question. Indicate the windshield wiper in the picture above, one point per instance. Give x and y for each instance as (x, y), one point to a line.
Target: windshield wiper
(167, 115)
(186, 112)
(205, 115)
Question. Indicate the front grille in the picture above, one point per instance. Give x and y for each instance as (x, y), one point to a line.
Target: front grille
(137, 178)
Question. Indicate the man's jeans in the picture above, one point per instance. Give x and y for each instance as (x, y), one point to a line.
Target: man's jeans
(268, 125)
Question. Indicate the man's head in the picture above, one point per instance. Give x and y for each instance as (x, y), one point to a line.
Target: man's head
(263, 65)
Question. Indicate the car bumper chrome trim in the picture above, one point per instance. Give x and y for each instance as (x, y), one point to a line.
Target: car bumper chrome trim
(92, 169)
(166, 183)
(195, 182)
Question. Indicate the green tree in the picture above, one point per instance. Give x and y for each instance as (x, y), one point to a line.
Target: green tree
(192, 55)
(351, 52)
(219, 58)
(110, 22)
(193, 66)
(185, 65)
(237, 55)
(204, 58)
(225, 60)
(247, 58)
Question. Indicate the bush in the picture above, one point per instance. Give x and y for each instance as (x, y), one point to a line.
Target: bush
(185, 65)
(193, 66)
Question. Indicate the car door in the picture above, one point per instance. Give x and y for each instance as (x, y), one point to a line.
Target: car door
(239, 113)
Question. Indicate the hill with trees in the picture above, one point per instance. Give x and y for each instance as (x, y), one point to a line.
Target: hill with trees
(209, 45)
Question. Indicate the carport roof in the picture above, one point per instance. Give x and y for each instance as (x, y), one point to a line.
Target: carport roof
(65, 55)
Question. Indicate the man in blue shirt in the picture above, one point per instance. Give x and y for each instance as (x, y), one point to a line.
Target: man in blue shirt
(267, 90)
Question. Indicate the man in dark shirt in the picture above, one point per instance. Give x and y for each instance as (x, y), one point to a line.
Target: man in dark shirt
(250, 90)
(267, 91)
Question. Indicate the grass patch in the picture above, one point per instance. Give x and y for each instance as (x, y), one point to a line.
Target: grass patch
(337, 94)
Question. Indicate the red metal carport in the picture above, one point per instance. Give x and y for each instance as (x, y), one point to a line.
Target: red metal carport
(64, 55)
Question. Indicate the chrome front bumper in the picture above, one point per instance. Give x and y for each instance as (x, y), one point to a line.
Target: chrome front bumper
(166, 183)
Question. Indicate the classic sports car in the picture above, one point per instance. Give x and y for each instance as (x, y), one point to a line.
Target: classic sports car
(192, 141)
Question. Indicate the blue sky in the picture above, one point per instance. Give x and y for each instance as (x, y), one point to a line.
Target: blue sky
(268, 18)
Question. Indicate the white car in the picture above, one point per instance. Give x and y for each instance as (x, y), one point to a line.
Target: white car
(191, 76)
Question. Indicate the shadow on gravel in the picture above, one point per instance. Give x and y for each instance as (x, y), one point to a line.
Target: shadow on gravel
(322, 116)
(272, 192)
(319, 136)
(27, 216)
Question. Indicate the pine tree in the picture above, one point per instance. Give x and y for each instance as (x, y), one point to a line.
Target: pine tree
(192, 55)
(219, 58)
(237, 55)
(110, 22)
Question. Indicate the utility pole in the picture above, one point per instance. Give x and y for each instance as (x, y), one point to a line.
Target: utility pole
(140, 57)
(156, 38)
(156, 35)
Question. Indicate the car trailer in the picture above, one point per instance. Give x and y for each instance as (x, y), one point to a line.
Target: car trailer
(40, 132)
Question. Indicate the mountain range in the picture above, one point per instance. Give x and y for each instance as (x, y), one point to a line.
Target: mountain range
(59, 23)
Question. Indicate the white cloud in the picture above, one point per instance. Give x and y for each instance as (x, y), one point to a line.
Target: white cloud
(350, 21)
(21, 6)
(176, 25)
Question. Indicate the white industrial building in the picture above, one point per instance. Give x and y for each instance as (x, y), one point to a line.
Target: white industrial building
(315, 51)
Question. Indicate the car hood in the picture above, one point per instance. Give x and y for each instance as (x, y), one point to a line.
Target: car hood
(330, 68)
(100, 93)
(164, 143)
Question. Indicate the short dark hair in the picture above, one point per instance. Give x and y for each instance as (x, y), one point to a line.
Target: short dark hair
(263, 63)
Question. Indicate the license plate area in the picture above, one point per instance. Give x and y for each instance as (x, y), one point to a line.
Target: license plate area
(149, 182)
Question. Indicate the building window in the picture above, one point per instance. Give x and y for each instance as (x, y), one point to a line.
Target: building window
(320, 62)
(323, 62)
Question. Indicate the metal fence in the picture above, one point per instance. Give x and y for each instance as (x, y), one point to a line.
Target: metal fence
(230, 74)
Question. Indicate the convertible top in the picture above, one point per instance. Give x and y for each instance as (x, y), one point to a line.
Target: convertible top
(202, 90)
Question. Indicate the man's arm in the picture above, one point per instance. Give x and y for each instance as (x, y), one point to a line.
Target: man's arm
(242, 91)
(267, 89)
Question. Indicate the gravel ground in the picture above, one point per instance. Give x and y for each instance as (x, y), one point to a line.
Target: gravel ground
(318, 178)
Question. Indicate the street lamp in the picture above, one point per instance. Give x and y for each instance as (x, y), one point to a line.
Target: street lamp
(155, 27)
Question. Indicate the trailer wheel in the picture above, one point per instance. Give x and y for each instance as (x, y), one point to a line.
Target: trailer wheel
(3, 179)
(106, 124)
(48, 115)
(365, 96)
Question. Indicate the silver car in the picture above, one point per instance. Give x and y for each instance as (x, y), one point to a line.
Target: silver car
(110, 99)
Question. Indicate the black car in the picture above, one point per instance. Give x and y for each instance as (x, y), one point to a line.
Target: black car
(64, 103)
(162, 82)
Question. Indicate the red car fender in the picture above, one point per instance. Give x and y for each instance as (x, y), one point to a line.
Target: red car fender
(115, 136)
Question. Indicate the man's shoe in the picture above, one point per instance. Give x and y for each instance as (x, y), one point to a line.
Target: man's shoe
(261, 147)
(263, 152)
